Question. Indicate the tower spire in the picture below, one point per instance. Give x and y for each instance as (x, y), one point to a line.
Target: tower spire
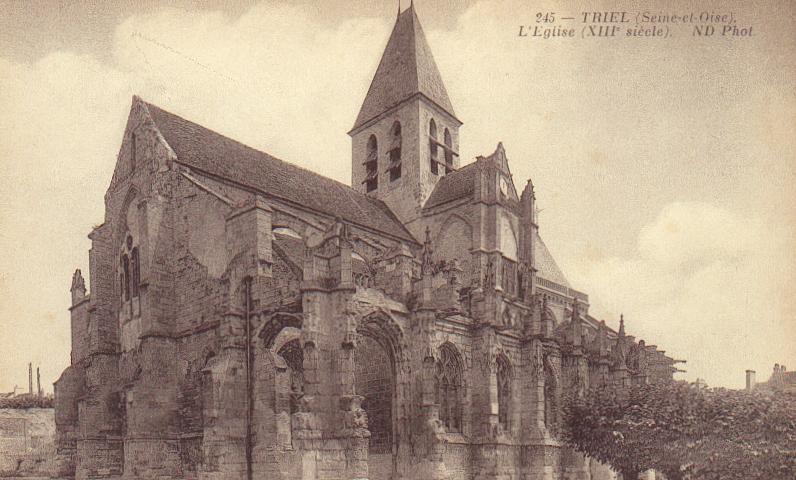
(407, 68)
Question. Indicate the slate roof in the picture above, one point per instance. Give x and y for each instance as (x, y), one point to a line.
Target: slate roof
(406, 68)
(212, 153)
(453, 186)
(546, 265)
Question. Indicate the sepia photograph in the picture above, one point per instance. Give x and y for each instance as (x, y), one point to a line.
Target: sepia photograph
(398, 240)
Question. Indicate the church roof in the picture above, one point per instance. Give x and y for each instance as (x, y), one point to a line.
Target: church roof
(546, 265)
(212, 153)
(406, 68)
(453, 186)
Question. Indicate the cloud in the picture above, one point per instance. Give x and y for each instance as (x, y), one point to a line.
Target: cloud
(691, 235)
(704, 284)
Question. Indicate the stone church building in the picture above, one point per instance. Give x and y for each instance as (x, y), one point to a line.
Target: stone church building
(248, 318)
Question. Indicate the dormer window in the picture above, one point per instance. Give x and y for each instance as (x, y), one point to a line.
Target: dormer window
(448, 152)
(395, 152)
(371, 180)
(434, 150)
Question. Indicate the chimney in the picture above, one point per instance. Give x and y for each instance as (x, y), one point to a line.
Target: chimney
(30, 378)
(38, 382)
(750, 380)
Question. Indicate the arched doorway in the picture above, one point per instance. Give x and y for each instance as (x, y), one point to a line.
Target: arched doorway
(375, 380)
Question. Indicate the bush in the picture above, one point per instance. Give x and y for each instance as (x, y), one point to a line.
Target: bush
(687, 432)
(27, 401)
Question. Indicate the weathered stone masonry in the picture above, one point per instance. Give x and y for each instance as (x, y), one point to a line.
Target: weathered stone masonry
(250, 319)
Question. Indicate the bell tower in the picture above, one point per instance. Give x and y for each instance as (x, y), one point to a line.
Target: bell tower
(406, 136)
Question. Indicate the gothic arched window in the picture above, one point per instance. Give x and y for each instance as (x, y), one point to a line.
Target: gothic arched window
(550, 398)
(434, 149)
(450, 388)
(125, 277)
(395, 152)
(372, 165)
(135, 266)
(504, 391)
(121, 280)
(448, 152)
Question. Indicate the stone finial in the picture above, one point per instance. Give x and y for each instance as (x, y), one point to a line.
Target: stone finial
(489, 275)
(78, 288)
(428, 250)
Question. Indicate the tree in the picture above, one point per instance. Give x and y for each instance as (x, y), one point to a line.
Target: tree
(27, 401)
(687, 432)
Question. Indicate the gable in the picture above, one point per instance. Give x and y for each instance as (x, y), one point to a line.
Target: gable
(143, 148)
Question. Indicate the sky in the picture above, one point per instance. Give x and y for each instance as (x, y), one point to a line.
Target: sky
(665, 170)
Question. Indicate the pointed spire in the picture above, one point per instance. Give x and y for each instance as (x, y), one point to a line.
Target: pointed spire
(621, 325)
(407, 68)
(78, 288)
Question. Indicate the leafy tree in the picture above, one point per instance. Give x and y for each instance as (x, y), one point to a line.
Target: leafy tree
(687, 432)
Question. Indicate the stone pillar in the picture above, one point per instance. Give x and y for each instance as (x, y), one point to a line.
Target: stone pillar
(151, 447)
(224, 405)
(532, 385)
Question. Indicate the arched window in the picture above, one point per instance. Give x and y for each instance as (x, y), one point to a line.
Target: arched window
(448, 151)
(450, 388)
(136, 274)
(372, 165)
(126, 277)
(434, 149)
(504, 391)
(395, 152)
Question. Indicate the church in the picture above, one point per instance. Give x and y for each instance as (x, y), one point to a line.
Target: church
(250, 319)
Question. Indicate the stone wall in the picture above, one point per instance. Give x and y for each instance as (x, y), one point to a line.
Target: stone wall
(27, 441)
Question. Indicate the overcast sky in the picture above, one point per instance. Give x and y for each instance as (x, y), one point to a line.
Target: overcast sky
(665, 169)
